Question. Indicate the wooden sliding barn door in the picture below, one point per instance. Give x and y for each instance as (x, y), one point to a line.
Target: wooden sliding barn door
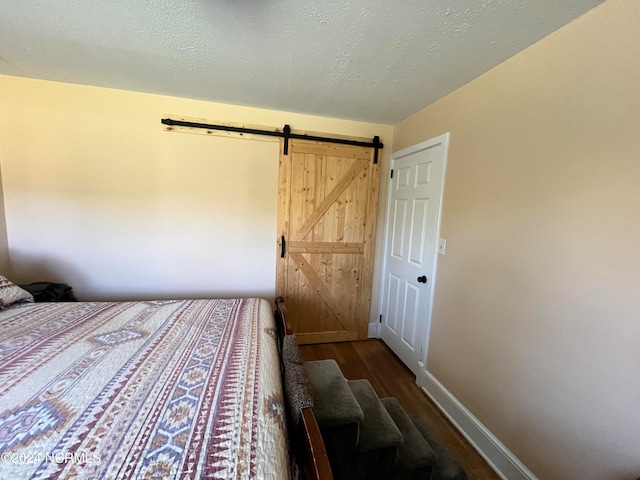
(328, 198)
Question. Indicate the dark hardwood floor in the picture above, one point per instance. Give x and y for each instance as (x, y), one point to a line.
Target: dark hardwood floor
(373, 360)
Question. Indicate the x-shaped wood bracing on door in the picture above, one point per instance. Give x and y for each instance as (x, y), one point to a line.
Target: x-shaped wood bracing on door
(298, 246)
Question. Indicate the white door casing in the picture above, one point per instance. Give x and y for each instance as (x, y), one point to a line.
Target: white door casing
(411, 243)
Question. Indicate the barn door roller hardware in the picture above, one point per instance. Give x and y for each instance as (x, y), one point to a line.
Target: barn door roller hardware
(376, 144)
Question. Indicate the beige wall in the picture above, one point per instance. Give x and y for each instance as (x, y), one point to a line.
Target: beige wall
(536, 321)
(99, 196)
(4, 246)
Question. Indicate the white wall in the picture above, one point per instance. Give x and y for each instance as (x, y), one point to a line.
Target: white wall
(537, 303)
(99, 196)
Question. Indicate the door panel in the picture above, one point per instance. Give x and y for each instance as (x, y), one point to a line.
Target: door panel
(418, 232)
(412, 231)
(410, 314)
(328, 203)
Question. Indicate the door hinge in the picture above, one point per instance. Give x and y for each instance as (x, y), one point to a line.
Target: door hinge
(392, 173)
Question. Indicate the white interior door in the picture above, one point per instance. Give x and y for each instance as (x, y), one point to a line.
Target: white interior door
(411, 243)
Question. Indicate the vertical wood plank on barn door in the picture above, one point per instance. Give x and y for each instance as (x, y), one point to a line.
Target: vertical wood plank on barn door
(328, 196)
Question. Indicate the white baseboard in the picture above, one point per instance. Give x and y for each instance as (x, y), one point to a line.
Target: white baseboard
(505, 463)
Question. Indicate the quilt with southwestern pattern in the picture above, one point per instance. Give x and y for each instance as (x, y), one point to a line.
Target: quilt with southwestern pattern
(183, 389)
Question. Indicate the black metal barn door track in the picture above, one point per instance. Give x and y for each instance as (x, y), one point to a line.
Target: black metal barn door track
(376, 144)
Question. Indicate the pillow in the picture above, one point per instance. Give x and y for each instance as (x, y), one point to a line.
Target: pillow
(11, 293)
(290, 350)
(297, 389)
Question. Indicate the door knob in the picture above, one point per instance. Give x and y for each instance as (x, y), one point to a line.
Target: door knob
(422, 279)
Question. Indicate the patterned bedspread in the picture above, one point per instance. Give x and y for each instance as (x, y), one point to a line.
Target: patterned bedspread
(182, 389)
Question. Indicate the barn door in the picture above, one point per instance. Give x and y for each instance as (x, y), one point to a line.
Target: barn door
(328, 199)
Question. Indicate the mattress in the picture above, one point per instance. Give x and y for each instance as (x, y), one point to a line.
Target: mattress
(184, 389)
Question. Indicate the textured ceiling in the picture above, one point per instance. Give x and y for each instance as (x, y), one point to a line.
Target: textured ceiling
(371, 60)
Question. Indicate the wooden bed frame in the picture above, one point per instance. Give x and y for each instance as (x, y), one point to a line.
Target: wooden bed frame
(315, 461)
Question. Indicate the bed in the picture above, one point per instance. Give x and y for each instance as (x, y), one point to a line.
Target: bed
(184, 389)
